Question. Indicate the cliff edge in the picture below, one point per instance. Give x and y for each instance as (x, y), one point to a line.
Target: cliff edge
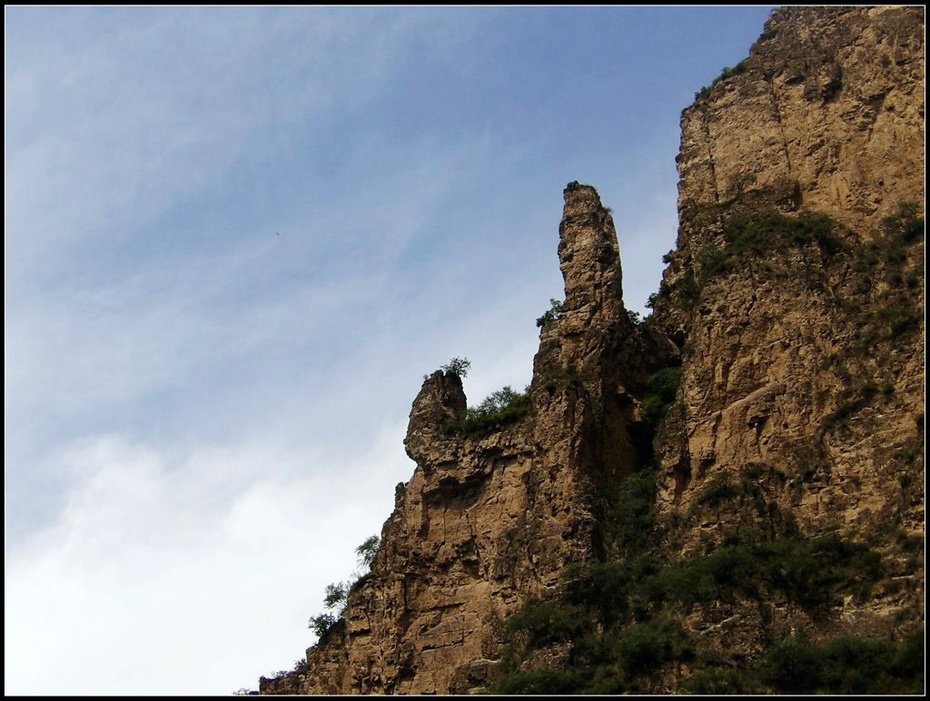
(727, 496)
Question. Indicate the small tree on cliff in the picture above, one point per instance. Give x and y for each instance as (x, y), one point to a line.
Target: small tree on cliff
(555, 308)
(457, 366)
(321, 624)
(336, 595)
(367, 550)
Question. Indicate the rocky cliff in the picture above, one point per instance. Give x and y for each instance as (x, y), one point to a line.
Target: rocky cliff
(684, 503)
(494, 512)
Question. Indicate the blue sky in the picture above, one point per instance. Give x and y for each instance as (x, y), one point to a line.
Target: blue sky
(236, 239)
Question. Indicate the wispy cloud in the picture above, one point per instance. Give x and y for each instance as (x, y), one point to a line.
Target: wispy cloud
(235, 240)
(165, 561)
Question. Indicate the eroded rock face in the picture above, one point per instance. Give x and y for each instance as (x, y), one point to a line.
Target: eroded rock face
(826, 114)
(829, 102)
(490, 518)
(800, 340)
(803, 359)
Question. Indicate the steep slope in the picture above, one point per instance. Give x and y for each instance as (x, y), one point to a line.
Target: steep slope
(494, 512)
(729, 496)
(796, 290)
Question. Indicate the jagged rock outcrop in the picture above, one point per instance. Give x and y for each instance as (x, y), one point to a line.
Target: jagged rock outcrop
(803, 343)
(826, 114)
(791, 311)
(491, 516)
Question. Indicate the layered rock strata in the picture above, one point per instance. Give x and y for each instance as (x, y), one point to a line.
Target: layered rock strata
(803, 348)
(793, 304)
(491, 517)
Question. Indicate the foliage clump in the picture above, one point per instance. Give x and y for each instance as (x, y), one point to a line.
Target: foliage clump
(366, 551)
(846, 665)
(660, 394)
(631, 516)
(457, 366)
(615, 618)
(551, 314)
(336, 595)
(727, 72)
(776, 233)
(685, 289)
(497, 409)
(906, 223)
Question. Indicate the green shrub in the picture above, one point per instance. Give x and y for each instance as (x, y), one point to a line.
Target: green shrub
(846, 665)
(569, 375)
(543, 681)
(498, 408)
(645, 646)
(688, 290)
(778, 232)
(602, 588)
(660, 394)
(735, 70)
(555, 308)
(724, 74)
(714, 260)
(322, 623)
(746, 237)
(545, 622)
(605, 679)
(630, 519)
(457, 366)
(906, 223)
(718, 489)
(685, 289)
(737, 184)
(335, 595)
(810, 572)
(719, 680)
(907, 661)
(366, 551)
(664, 383)
(793, 667)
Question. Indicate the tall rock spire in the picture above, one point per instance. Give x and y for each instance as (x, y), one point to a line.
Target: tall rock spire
(492, 515)
(589, 255)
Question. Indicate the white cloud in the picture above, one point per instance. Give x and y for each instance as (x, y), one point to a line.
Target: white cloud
(203, 418)
(149, 582)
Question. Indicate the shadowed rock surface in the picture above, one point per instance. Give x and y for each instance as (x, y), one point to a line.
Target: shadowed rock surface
(791, 318)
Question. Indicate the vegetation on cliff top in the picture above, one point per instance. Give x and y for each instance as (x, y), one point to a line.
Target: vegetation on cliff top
(551, 314)
(497, 409)
(336, 595)
(617, 623)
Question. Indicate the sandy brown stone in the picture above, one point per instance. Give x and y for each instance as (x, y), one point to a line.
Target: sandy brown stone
(791, 360)
(802, 381)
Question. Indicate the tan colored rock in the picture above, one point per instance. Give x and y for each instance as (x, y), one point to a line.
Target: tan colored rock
(808, 360)
(489, 519)
(801, 387)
